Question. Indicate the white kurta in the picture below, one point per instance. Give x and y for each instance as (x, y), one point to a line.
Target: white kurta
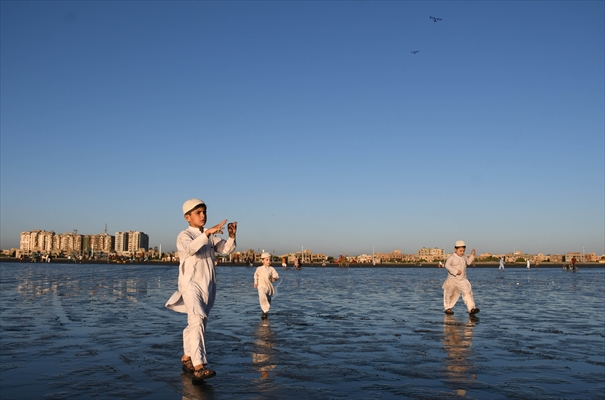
(455, 284)
(197, 286)
(263, 278)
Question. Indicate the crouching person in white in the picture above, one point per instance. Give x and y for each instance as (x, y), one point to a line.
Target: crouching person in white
(197, 282)
(456, 282)
(263, 278)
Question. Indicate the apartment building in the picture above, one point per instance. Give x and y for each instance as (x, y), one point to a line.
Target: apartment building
(137, 241)
(577, 254)
(131, 242)
(102, 242)
(69, 243)
(395, 256)
(306, 257)
(121, 242)
(430, 255)
(48, 242)
(36, 241)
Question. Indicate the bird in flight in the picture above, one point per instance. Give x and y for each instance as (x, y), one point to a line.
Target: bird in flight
(415, 51)
(435, 19)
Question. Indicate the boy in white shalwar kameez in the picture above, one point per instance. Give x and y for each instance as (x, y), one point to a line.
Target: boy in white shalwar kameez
(456, 282)
(263, 278)
(197, 282)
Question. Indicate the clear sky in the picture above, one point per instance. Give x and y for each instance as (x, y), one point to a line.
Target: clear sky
(310, 123)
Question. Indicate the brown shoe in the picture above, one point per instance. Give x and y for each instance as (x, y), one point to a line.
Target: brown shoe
(474, 311)
(201, 374)
(187, 365)
(449, 311)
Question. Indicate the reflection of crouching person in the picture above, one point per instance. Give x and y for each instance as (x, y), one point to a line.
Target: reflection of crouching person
(264, 275)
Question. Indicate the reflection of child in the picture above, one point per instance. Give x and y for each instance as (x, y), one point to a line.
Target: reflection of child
(458, 342)
(264, 275)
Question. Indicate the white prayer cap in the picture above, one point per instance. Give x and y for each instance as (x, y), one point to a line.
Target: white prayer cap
(460, 243)
(265, 255)
(191, 204)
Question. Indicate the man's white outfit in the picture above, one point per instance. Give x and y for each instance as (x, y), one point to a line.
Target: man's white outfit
(262, 279)
(197, 286)
(455, 284)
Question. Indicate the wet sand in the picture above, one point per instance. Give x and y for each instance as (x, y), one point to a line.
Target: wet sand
(76, 331)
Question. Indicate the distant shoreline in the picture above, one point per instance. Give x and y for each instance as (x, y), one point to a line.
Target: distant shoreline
(317, 265)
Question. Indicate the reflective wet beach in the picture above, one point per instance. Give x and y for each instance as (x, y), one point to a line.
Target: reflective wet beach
(73, 331)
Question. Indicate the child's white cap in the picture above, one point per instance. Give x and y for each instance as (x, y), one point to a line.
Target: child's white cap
(191, 204)
(265, 255)
(460, 243)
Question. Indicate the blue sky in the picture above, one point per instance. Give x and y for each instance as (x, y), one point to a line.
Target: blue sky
(310, 123)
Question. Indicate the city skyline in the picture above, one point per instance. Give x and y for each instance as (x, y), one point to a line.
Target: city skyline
(309, 123)
(49, 242)
(125, 244)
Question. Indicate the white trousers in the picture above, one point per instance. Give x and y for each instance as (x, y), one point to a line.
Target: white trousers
(194, 335)
(452, 290)
(264, 300)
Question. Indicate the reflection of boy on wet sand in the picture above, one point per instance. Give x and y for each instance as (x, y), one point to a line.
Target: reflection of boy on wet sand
(264, 275)
(457, 342)
(456, 282)
(263, 356)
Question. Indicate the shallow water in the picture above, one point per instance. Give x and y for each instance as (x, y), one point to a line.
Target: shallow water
(72, 331)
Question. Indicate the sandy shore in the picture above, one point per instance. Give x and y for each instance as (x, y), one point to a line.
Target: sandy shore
(79, 331)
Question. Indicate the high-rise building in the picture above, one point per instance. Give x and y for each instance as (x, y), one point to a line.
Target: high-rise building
(86, 243)
(36, 241)
(70, 243)
(130, 242)
(137, 240)
(102, 243)
(121, 242)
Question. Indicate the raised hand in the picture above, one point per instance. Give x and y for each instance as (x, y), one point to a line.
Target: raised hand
(216, 229)
(232, 229)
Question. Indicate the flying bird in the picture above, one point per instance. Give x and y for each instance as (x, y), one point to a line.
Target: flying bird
(435, 19)
(415, 51)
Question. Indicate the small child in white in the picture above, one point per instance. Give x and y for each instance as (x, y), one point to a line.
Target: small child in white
(263, 278)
